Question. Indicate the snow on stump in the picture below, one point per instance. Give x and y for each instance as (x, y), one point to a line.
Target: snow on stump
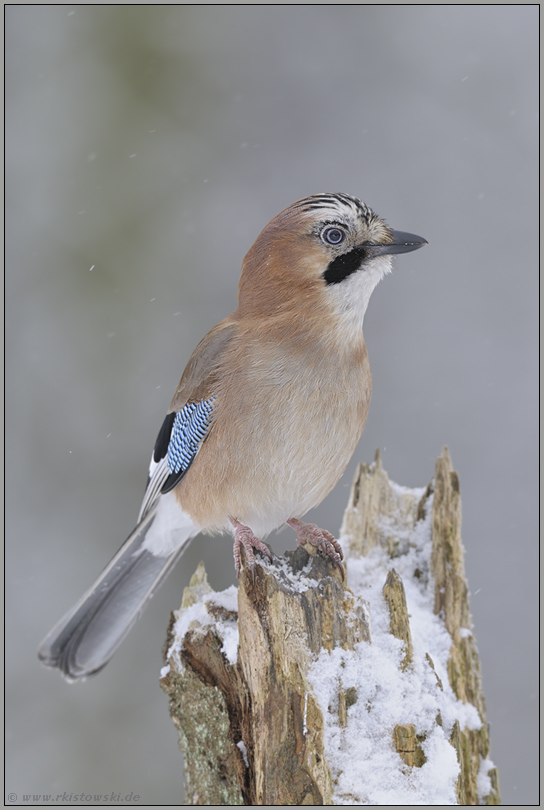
(297, 689)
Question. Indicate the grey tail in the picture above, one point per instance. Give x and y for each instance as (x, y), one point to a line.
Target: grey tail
(85, 639)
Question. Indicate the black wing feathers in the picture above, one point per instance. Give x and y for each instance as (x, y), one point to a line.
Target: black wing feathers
(163, 439)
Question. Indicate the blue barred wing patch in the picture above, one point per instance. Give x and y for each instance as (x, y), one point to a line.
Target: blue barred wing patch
(177, 445)
(188, 431)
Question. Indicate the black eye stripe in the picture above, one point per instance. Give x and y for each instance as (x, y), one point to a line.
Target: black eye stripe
(344, 265)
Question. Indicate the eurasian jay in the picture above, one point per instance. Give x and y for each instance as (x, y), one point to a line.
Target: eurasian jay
(264, 421)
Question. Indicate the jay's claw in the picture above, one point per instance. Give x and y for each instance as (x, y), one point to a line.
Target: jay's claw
(321, 539)
(244, 538)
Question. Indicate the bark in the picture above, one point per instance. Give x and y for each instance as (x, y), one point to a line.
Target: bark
(250, 725)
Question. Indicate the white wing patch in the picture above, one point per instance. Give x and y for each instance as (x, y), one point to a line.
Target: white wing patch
(158, 474)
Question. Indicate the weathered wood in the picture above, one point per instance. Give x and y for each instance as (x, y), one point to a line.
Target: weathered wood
(214, 765)
(452, 602)
(241, 674)
(408, 745)
(399, 622)
(378, 514)
(276, 725)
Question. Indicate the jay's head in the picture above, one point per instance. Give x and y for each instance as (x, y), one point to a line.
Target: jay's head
(325, 253)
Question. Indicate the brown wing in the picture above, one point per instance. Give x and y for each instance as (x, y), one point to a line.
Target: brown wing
(190, 415)
(200, 375)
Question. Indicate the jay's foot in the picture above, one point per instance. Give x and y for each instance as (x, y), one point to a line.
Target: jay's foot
(244, 538)
(321, 539)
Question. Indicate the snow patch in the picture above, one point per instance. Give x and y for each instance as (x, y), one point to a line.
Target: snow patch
(197, 618)
(364, 763)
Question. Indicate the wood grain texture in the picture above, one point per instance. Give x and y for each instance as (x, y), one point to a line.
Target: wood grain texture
(250, 726)
(284, 618)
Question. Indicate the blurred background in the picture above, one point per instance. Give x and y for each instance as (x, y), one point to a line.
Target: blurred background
(146, 148)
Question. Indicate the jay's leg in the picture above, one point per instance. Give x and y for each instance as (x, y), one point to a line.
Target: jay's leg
(320, 538)
(244, 537)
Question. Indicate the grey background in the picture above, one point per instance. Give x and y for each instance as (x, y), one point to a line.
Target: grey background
(151, 144)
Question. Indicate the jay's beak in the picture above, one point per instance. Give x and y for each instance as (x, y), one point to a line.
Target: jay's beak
(402, 243)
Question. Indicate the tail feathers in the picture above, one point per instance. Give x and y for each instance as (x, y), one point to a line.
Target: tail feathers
(85, 639)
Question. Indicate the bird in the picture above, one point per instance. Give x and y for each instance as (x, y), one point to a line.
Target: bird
(264, 420)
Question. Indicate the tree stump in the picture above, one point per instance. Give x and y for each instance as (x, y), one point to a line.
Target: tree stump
(295, 689)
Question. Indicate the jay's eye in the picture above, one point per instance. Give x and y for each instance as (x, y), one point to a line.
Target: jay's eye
(333, 236)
